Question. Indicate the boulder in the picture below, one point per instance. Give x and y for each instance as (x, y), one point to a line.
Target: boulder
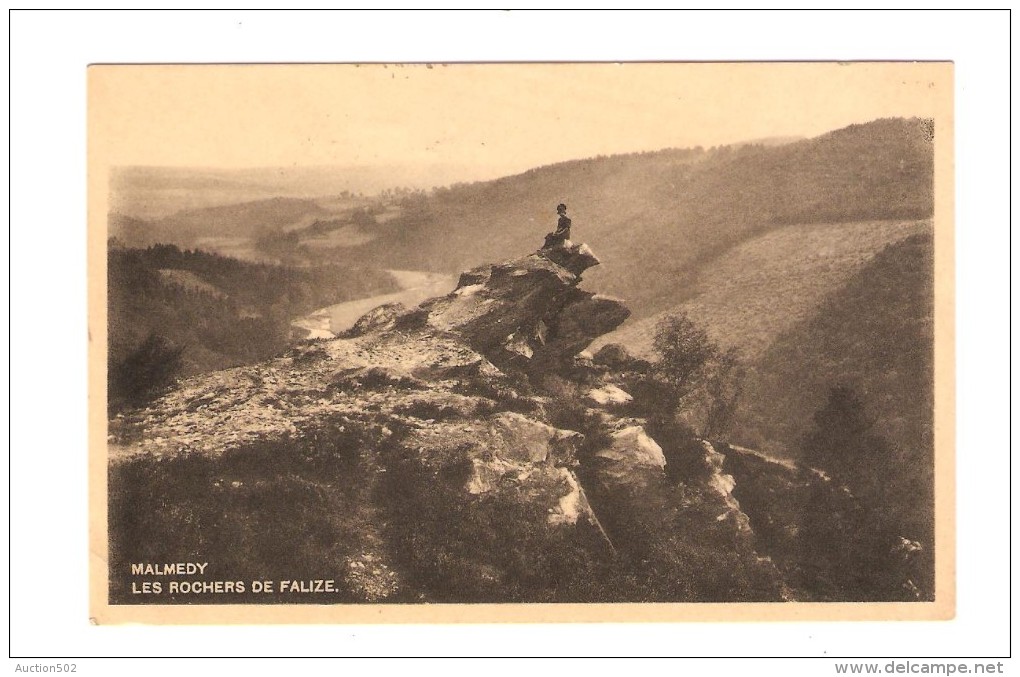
(723, 484)
(572, 505)
(486, 474)
(521, 439)
(564, 448)
(609, 395)
(617, 358)
(584, 318)
(631, 449)
(378, 319)
(475, 276)
(576, 258)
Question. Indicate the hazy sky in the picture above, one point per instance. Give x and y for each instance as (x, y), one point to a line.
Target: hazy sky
(489, 119)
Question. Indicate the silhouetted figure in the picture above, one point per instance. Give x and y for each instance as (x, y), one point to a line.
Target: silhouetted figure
(562, 232)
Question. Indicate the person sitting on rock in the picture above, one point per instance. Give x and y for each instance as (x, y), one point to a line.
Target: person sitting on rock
(562, 232)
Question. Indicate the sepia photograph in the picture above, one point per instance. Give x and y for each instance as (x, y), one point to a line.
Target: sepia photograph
(521, 341)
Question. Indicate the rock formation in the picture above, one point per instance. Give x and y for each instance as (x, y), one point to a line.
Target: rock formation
(457, 451)
(528, 313)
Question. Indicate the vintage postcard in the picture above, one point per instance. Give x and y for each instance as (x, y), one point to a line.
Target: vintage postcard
(521, 342)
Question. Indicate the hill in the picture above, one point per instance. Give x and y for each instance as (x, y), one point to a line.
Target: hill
(152, 193)
(875, 334)
(245, 220)
(189, 281)
(751, 293)
(459, 452)
(873, 338)
(658, 217)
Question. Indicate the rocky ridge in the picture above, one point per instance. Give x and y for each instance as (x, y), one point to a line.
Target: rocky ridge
(457, 451)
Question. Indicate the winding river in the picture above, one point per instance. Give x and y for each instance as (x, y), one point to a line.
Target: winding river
(415, 287)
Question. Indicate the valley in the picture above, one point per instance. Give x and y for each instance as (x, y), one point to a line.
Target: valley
(460, 416)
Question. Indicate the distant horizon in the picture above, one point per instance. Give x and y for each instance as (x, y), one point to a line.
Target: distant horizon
(338, 166)
(325, 166)
(149, 192)
(416, 177)
(779, 139)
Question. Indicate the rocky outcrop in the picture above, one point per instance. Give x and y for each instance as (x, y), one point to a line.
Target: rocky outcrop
(528, 313)
(378, 319)
(723, 485)
(426, 414)
(630, 452)
(424, 456)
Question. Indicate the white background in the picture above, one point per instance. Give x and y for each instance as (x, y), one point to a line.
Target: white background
(49, 53)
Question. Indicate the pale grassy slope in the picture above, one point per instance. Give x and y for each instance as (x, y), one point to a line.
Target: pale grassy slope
(753, 292)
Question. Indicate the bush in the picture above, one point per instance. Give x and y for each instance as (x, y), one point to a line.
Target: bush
(144, 373)
(308, 353)
(427, 410)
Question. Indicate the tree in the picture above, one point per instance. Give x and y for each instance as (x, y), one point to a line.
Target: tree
(844, 442)
(694, 379)
(684, 353)
(869, 547)
(362, 217)
(723, 389)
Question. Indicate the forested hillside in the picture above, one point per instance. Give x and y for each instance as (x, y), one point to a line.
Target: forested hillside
(246, 219)
(659, 216)
(217, 312)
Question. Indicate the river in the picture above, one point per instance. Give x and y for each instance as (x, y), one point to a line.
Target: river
(415, 287)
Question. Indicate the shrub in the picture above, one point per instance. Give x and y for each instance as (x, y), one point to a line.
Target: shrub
(430, 410)
(308, 353)
(144, 373)
(373, 378)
